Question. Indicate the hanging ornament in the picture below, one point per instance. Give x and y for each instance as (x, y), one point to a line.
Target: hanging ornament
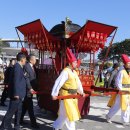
(40, 41)
(92, 34)
(85, 39)
(54, 46)
(105, 38)
(29, 36)
(36, 41)
(97, 38)
(90, 40)
(58, 45)
(88, 34)
(25, 38)
(101, 36)
(37, 47)
(50, 46)
(33, 36)
(94, 41)
(43, 41)
(36, 35)
(97, 35)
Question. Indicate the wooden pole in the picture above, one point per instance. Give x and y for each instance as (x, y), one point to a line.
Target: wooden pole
(90, 63)
(93, 60)
(108, 50)
(90, 93)
(19, 37)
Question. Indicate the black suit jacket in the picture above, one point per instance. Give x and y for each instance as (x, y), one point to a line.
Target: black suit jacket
(7, 74)
(31, 80)
(17, 84)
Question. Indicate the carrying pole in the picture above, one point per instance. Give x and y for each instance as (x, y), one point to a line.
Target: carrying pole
(88, 94)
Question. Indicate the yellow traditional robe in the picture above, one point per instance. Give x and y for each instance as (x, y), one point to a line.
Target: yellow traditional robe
(71, 105)
(112, 100)
(125, 98)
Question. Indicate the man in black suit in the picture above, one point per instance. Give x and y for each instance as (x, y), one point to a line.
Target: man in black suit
(17, 92)
(31, 84)
(7, 77)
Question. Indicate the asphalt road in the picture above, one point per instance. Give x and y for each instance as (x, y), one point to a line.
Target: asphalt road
(94, 121)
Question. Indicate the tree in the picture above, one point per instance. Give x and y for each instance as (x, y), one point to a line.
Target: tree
(116, 51)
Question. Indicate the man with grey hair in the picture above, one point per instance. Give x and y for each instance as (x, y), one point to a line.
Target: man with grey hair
(31, 83)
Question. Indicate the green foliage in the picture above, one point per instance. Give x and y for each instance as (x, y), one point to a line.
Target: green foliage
(116, 50)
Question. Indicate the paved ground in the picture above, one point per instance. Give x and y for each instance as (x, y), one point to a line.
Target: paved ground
(94, 121)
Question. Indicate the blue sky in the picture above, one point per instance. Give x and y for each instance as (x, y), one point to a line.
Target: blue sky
(51, 12)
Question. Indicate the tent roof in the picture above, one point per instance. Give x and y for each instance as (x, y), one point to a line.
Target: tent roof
(96, 27)
(37, 34)
(36, 27)
(91, 26)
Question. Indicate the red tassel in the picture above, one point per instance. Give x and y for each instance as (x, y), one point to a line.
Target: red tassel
(93, 35)
(97, 35)
(101, 36)
(88, 34)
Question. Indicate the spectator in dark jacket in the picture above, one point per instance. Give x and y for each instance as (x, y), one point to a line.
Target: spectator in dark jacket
(17, 92)
(111, 80)
(31, 84)
(7, 77)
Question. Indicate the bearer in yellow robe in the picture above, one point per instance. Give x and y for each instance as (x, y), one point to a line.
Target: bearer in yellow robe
(67, 83)
(122, 101)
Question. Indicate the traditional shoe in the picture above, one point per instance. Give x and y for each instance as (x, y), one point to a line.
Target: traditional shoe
(108, 119)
